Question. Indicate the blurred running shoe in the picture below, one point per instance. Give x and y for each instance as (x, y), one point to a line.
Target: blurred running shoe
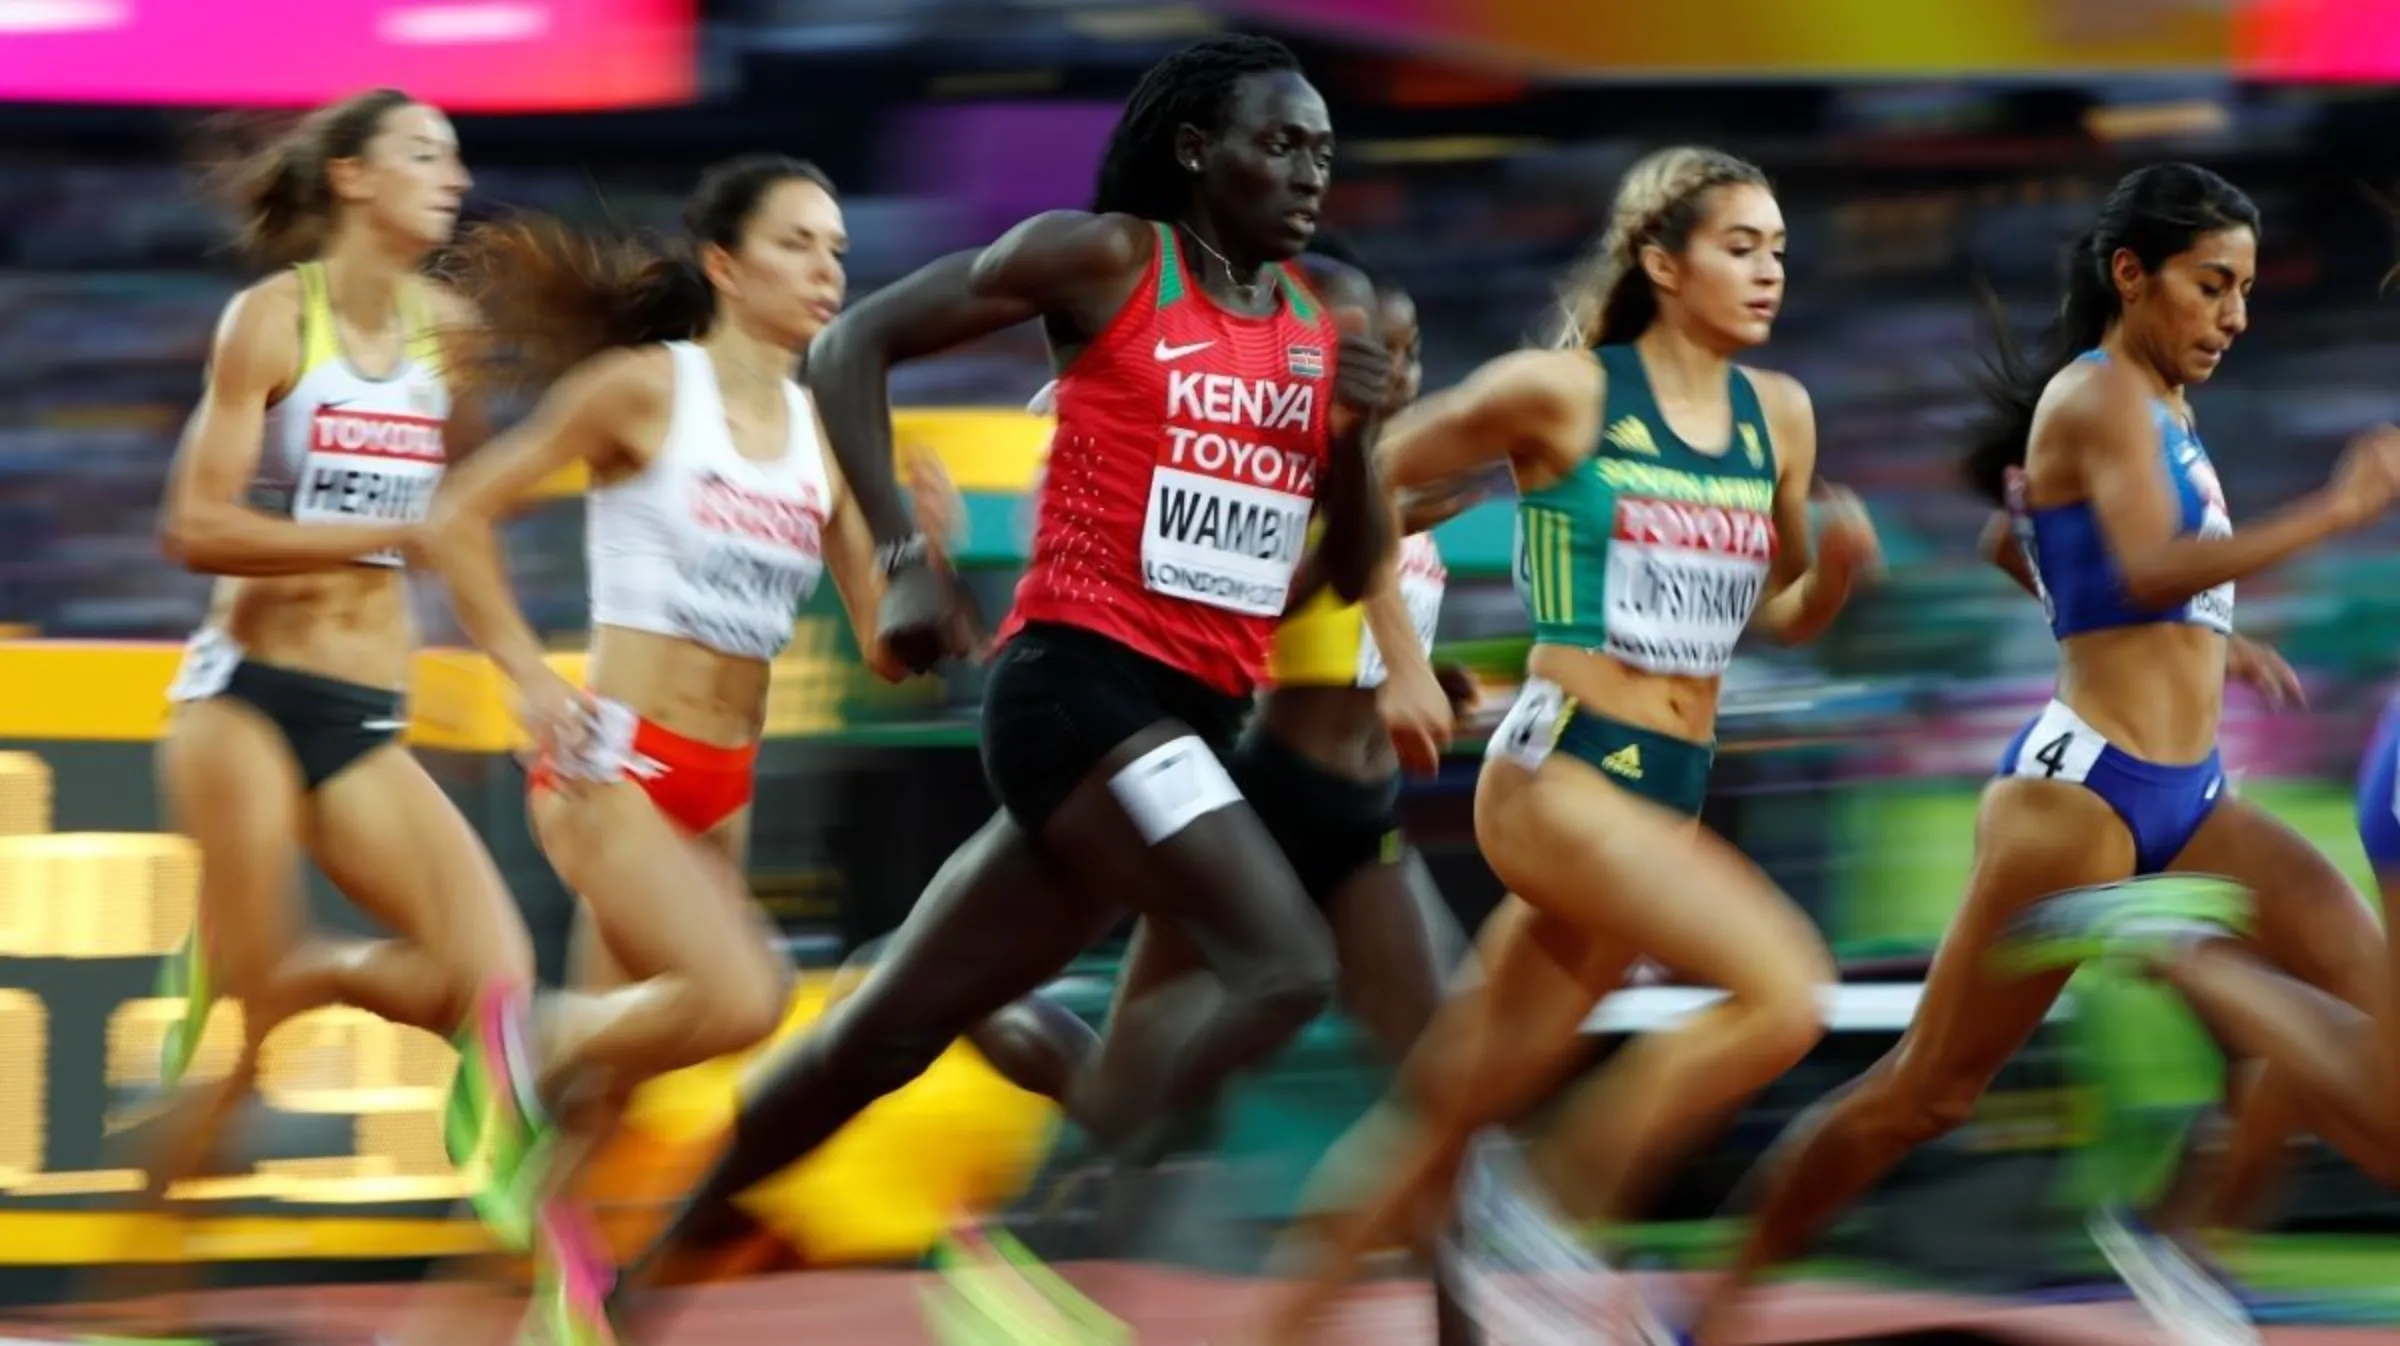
(1514, 1266)
(2131, 923)
(572, 1278)
(495, 1115)
(994, 1292)
(183, 975)
(2189, 1304)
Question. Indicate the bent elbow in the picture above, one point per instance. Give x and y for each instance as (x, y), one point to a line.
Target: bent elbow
(183, 541)
(2151, 593)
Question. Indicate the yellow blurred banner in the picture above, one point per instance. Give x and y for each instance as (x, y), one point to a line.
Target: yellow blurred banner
(458, 701)
(1870, 38)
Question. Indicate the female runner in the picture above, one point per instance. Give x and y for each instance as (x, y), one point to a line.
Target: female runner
(2120, 523)
(1320, 760)
(1664, 508)
(714, 509)
(1198, 376)
(303, 477)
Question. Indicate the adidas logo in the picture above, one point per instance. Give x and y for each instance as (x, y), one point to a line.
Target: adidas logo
(1625, 761)
(1632, 434)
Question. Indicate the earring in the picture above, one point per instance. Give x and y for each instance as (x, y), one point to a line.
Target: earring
(1191, 165)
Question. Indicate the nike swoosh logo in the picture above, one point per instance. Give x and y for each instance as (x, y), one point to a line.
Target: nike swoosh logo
(1164, 352)
(382, 726)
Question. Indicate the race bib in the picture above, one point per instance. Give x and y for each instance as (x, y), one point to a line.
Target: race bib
(1683, 580)
(2213, 608)
(209, 659)
(757, 558)
(1532, 726)
(1227, 523)
(369, 467)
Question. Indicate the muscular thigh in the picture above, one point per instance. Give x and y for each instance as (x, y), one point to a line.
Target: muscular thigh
(2033, 838)
(2310, 920)
(395, 845)
(660, 901)
(1642, 877)
(1159, 824)
(230, 784)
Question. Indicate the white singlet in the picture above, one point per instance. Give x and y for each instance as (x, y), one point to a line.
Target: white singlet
(705, 544)
(341, 447)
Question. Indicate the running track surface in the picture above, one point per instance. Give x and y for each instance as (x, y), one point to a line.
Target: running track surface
(1167, 1307)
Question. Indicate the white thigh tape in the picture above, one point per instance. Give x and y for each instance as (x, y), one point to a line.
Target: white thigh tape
(1164, 789)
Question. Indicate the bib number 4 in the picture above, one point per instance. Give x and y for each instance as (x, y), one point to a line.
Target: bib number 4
(2053, 755)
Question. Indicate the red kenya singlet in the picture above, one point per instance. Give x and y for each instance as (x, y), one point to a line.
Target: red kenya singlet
(1182, 475)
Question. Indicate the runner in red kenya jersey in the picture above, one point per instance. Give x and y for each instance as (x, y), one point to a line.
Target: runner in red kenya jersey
(1196, 430)
(1182, 475)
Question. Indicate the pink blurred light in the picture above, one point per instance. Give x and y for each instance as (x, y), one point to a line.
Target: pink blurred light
(468, 55)
(2317, 40)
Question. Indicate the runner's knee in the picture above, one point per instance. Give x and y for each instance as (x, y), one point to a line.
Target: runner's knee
(1909, 1108)
(738, 1003)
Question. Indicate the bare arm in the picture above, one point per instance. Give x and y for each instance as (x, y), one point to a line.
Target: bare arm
(1803, 597)
(1998, 545)
(2106, 424)
(1039, 266)
(1395, 632)
(1361, 521)
(204, 525)
(580, 420)
(1429, 507)
(850, 557)
(1519, 409)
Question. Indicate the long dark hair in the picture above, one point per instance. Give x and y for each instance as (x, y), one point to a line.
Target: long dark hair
(2153, 213)
(1138, 172)
(551, 298)
(273, 176)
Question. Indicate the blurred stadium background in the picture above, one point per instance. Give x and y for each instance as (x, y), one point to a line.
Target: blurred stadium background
(1916, 148)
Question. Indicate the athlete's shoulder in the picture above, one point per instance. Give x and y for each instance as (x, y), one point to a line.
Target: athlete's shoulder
(1780, 394)
(2094, 401)
(620, 386)
(1093, 239)
(263, 303)
(258, 332)
(1791, 415)
(451, 309)
(1337, 283)
(1543, 379)
(643, 371)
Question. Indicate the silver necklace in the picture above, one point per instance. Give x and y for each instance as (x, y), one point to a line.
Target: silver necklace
(1246, 293)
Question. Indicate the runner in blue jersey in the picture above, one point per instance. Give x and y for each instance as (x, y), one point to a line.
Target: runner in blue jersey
(2114, 518)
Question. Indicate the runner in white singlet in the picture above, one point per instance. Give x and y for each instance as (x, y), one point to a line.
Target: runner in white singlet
(303, 478)
(714, 510)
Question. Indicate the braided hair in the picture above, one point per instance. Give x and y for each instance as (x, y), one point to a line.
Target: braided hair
(1138, 172)
(1607, 299)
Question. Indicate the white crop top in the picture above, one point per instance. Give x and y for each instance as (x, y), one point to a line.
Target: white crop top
(344, 448)
(705, 544)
